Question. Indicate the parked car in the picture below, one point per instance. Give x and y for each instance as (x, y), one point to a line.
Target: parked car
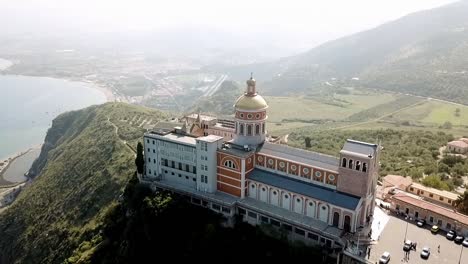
(451, 234)
(421, 222)
(459, 239)
(425, 253)
(385, 258)
(465, 242)
(434, 229)
(407, 246)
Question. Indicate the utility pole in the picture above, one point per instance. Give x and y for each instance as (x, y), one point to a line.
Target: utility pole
(406, 231)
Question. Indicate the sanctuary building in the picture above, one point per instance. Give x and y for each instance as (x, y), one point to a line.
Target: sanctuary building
(232, 166)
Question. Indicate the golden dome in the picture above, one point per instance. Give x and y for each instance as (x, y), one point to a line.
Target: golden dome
(248, 102)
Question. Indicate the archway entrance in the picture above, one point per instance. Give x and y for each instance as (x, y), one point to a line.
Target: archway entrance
(336, 219)
(347, 223)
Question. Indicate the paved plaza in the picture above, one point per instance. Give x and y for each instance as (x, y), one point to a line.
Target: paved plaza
(392, 235)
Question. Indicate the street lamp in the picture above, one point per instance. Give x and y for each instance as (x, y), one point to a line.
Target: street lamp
(461, 251)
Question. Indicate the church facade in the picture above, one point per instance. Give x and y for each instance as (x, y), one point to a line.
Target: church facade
(231, 166)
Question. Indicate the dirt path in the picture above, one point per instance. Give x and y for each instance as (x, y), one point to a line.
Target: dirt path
(116, 131)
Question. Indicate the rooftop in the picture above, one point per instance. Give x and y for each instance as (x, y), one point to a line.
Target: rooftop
(236, 150)
(461, 218)
(303, 156)
(164, 127)
(210, 138)
(178, 138)
(360, 147)
(458, 143)
(450, 195)
(308, 189)
(397, 181)
(202, 117)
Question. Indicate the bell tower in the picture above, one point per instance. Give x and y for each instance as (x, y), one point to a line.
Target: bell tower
(358, 173)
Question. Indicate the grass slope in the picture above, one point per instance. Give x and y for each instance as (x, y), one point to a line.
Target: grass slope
(82, 169)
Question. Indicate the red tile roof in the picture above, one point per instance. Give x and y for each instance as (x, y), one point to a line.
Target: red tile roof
(452, 214)
(458, 143)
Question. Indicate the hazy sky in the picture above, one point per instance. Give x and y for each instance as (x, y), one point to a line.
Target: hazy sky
(324, 19)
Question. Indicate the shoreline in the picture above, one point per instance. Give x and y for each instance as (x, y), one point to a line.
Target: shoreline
(7, 161)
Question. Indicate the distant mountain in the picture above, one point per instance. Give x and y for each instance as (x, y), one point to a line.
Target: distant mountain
(82, 170)
(424, 53)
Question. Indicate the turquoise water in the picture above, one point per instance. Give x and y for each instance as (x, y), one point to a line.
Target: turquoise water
(29, 104)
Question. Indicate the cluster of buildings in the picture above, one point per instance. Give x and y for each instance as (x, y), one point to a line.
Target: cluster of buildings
(234, 167)
(436, 207)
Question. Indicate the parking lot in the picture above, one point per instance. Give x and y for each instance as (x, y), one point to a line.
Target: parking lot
(393, 235)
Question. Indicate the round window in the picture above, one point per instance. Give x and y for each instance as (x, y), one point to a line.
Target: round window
(260, 158)
(241, 115)
(263, 189)
(318, 174)
(257, 116)
(270, 161)
(324, 208)
(331, 177)
(281, 164)
(298, 200)
(249, 116)
(311, 204)
(293, 167)
(274, 192)
(286, 196)
(253, 186)
(305, 170)
(249, 160)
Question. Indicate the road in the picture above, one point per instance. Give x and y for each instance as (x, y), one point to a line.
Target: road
(213, 88)
(393, 234)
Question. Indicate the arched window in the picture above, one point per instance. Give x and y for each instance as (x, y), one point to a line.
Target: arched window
(358, 165)
(263, 128)
(229, 164)
(343, 164)
(350, 164)
(241, 129)
(257, 130)
(249, 130)
(364, 167)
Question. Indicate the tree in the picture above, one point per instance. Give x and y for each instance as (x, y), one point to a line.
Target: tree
(462, 202)
(447, 125)
(307, 142)
(139, 160)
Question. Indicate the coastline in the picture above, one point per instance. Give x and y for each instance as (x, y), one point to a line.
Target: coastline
(6, 162)
(103, 89)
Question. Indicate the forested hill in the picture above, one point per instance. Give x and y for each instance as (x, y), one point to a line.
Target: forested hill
(424, 53)
(84, 165)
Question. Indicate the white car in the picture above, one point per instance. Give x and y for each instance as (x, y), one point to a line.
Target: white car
(385, 258)
(465, 242)
(425, 252)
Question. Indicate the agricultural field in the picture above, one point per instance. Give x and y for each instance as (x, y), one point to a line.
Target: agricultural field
(293, 112)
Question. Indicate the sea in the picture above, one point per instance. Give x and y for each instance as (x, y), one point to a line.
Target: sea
(29, 104)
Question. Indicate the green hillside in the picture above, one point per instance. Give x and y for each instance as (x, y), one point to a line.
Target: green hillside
(424, 53)
(84, 165)
(162, 226)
